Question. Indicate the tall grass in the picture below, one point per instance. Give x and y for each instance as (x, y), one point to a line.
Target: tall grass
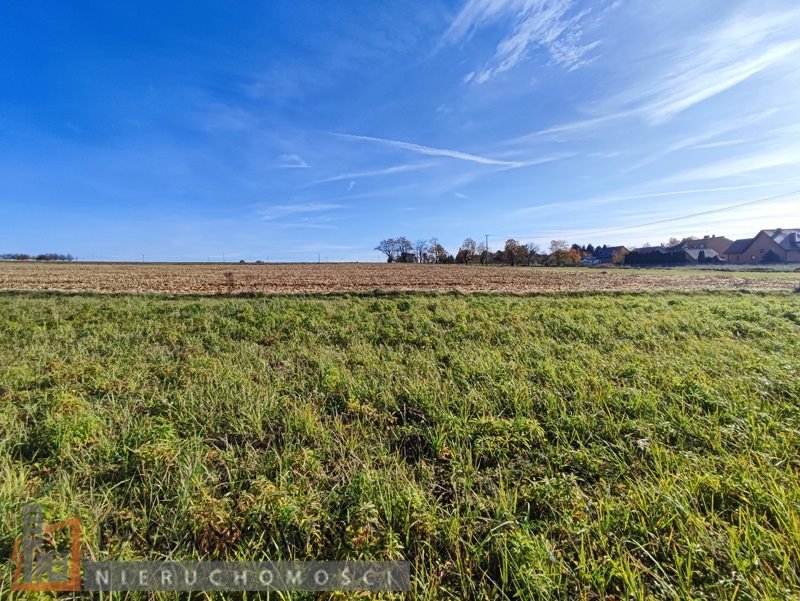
(625, 446)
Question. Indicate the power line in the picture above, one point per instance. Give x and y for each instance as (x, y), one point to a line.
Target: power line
(670, 219)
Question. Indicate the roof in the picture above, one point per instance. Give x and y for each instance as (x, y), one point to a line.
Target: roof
(721, 242)
(784, 238)
(710, 253)
(608, 252)
(646, 250)
(739, 246)
(787, 239)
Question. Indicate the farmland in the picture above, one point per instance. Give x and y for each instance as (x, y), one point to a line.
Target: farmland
(201, 278)
(552, 446)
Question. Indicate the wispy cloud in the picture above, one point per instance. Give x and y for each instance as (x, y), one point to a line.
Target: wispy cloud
(741, 165)
(692, 69)
(604, 155)
(374, 172)
(436, 152)
(702, 66)
(549, 24)
(572, 128)
(701, 140)
(291, 161)
(621, 197)
(283, 210)
(312, 224)
(720, 144)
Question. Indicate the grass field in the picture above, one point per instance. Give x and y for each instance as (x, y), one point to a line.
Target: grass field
(215, 278)
(599, 446)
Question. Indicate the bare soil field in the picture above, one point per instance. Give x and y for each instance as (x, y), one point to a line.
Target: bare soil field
(183, 278)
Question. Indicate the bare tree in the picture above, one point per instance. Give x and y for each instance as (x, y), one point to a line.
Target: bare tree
(436, 252)
(388, 247)
(467, 250)
(533, 251)
(420, 249)
(482, 252)
(404, 250)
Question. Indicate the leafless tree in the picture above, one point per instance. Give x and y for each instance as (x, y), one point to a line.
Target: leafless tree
(467, 250)
(404, 250)
(482, 252)
(388, 247)
(532, 249)
(420, 248)
(436, 252)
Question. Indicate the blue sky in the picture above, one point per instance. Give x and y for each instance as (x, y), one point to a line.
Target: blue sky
(280, 131)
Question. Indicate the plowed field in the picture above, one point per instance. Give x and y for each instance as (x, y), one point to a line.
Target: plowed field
(349, 277)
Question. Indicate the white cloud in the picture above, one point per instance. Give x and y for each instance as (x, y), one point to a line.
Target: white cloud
(604, 155)
(643, 194)
(719, 144)
(733, 167)
(373, 173)
(537, 23)
(436, 152)
(694, 68)
(573, 127)
(701, 140)
(291, 161)
(702, 66)
(277, 211)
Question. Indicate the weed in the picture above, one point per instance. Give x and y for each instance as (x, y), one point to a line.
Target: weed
(230, 284)
(599, 446)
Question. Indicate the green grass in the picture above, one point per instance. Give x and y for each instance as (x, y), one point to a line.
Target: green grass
(555, 447)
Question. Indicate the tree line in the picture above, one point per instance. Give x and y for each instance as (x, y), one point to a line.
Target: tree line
(42, 257)
(403, 250)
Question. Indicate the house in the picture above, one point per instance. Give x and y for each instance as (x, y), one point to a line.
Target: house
(650, 250)
(702, 255)
(672, 255)
(606, 254)
(768, 246)
(718, 244)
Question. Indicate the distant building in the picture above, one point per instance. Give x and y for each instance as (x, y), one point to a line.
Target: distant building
(768, 246)
(608, 253)
(718, 244)
(672, 255)
(649, 250)
(702, 255)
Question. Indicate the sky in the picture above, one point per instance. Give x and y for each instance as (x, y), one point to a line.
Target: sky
(311, 130)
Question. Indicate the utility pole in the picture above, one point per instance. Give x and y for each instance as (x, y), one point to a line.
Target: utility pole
(487, 247)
